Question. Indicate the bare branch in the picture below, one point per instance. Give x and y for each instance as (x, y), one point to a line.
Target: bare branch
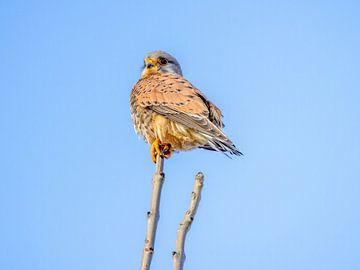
(153, 214)
(178, 254)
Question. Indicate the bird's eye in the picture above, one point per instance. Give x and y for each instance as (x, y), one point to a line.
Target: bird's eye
(163, 61)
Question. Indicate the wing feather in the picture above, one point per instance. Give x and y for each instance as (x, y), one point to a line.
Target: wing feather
(178, 100)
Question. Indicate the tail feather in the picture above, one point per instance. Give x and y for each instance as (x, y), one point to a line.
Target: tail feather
(222, 146)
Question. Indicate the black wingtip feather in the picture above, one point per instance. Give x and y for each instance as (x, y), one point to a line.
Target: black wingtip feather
(233, 150)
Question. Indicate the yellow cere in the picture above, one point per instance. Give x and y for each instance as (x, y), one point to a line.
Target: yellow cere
(150, 70)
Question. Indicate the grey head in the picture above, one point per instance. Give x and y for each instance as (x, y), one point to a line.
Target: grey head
(160, 62)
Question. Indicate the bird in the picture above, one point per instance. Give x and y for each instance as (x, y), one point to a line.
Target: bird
(171, 114)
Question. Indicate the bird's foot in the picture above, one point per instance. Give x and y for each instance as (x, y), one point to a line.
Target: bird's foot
(162, 149)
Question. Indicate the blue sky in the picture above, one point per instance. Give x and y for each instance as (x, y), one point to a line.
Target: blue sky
(75, 180)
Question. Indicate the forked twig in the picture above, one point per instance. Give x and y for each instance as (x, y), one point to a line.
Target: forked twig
(153, 214)
(179, 254)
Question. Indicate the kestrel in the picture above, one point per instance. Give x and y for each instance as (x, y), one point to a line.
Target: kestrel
(171, 114)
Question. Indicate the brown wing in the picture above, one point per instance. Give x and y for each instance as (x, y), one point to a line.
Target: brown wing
(178, 100)
(175, 98)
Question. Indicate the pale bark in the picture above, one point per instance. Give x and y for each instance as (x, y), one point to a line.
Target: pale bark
(179, 254)
(153, 214)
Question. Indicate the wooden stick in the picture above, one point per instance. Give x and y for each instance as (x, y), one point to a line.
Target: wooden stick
(179, 254)
(153, 214)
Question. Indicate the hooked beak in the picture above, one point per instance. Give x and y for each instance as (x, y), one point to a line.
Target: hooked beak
(151, 67)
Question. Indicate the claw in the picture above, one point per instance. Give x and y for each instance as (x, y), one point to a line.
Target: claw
(167, 150)
(164, 149)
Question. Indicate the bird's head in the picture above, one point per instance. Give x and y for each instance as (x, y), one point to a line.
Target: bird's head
(159, 62)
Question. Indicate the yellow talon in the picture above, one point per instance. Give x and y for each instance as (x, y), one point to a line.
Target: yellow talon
(167, 150)
(155, 149)
(164, 149)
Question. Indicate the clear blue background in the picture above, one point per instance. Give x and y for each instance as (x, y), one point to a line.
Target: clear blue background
(75, 180)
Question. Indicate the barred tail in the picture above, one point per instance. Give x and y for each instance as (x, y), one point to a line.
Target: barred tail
(222, 145)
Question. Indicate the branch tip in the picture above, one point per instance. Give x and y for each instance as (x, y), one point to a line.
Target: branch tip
(179, 254)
